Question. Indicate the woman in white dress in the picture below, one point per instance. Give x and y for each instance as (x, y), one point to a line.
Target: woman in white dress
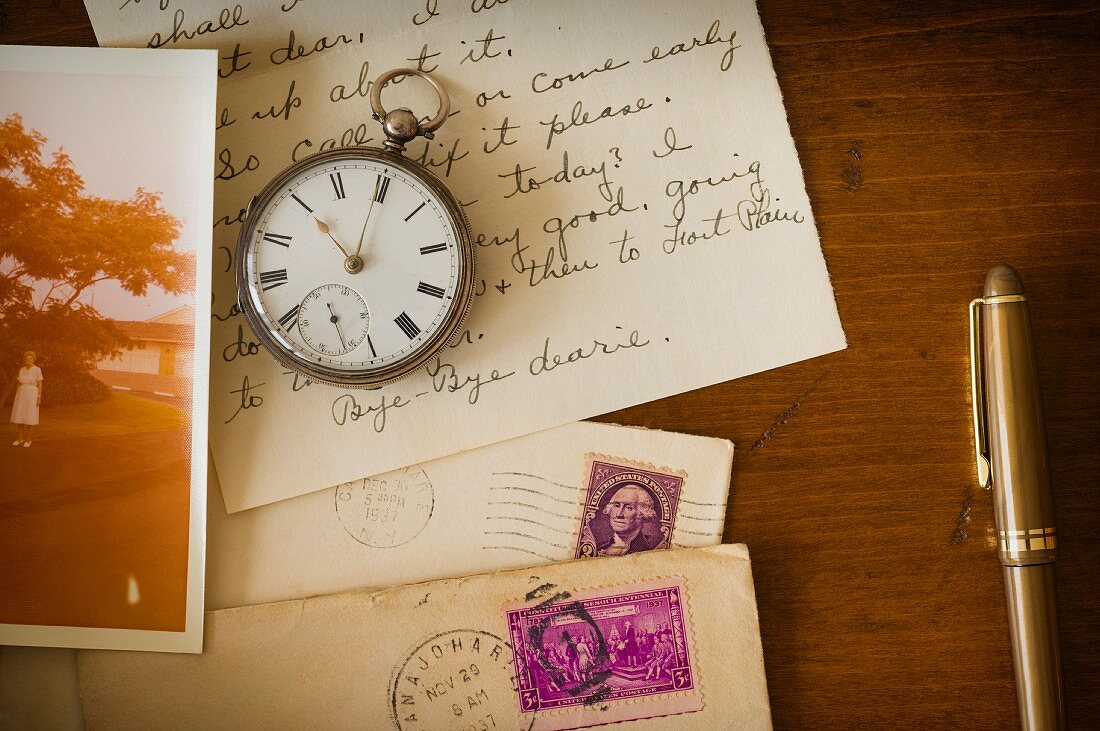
(28, 399)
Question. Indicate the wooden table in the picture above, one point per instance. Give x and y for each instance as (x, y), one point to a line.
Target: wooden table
(937, 140)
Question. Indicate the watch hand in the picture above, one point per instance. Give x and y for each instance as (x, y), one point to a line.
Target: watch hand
(370, 208)
(323, 228)
(333, 319)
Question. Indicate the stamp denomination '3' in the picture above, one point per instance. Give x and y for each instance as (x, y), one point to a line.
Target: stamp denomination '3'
(624, 652)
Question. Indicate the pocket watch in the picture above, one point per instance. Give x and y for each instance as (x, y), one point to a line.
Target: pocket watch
(355, 265)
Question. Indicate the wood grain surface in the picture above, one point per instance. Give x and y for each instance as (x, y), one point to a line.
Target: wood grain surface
(938, 138)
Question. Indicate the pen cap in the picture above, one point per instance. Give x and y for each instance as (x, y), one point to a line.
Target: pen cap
(1023, 500)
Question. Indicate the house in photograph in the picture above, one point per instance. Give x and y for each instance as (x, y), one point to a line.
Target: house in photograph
(159, 358)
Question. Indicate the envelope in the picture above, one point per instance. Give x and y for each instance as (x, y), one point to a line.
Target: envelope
(666, 639)
(544, 497)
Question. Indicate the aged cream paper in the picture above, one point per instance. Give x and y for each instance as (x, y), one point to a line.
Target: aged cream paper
(468, 652)
(38, 689)
(642, 223)
(506, 505)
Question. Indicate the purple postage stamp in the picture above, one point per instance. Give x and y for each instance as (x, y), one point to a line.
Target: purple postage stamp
(602, 656)
(628, 507)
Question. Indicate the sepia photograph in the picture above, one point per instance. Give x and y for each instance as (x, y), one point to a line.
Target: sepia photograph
(102, 358)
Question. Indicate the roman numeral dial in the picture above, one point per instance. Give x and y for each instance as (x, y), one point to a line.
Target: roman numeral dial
(290, 317)
(271, 280)
(430, 289)
(327, 316)
(407, 326)
(381, 189)
(280, 239)
(338, 184)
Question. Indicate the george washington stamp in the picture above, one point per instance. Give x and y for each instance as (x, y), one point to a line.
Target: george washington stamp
(628, 507)
(607, 655)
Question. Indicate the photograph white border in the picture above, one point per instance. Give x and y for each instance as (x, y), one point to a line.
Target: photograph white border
(202, 65)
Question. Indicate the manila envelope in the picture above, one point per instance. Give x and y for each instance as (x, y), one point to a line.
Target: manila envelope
(666, 639)
(539, 498)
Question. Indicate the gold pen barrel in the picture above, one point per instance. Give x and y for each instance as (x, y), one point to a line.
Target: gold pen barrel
(1033, 625)
(1022, 498)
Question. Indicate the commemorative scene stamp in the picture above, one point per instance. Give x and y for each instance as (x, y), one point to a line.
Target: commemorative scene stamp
(628, 507)
(620, 652)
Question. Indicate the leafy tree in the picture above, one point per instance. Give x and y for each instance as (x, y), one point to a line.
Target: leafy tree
(56, 242)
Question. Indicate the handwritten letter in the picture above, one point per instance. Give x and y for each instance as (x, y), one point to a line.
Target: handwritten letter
(641, 221)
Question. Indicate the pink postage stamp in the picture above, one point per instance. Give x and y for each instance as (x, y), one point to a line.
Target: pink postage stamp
(604, 656)
(628, 507)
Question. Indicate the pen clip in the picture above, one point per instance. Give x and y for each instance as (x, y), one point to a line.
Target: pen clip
(977, 384)
(977, 396)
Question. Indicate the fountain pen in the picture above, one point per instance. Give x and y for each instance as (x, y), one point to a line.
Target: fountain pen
(1010, 446)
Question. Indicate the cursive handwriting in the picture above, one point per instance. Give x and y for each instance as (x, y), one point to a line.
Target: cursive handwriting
(298, 381)
(690, 238)
(483, 98)
(560, 226)
(485, 50)
(357, 136)
(485, 242)
(446, 378)
(340, 92)
(248, 399)
(626, 253)
(423, 58)
(346, 409)
(229, 170)
(712, 37)
(504, 129)
(567, 174)
(450, 157)
(464, 338)
(234, 310)
(227, 221)
(670, 145)
(234, 60)
(560, 81)
(546, 362)
(578, 118)
(228, 18)
(240, 348)
(548, 268)
(293, 51)
(225, 120)
(293, 101)
(430, 8)
(681, 190)
(756, 211)
(476, 6)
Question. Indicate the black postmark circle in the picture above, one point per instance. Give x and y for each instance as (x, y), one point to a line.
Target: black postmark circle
(460, 679)
(566, 670)
(388, 510)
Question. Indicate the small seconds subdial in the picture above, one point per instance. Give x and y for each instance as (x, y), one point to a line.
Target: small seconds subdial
(333, 319)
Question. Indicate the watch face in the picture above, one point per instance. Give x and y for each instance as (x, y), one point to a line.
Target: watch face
(352, 265)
